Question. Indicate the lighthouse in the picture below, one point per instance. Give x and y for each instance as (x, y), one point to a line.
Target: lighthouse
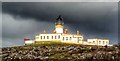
(59, 25)
(61, 35)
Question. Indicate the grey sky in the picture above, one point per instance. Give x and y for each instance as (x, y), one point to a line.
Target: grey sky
(0, 24)
(26, 19)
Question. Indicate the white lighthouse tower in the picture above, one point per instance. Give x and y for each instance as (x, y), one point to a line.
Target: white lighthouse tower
(59, 25)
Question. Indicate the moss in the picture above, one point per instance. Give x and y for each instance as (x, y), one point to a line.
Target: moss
(50, 43)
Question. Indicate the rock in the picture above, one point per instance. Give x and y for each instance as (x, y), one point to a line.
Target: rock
(61, 52)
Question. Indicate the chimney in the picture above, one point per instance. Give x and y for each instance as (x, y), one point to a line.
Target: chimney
(26, 39)
(78, 33)
(66, 31)
(44, 32)
(54, 31)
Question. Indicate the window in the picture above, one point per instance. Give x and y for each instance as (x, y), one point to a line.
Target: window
(99, 42)
(58, 36)
(47, 37)
(93, 41)
(63, 38)
(70, 38)
(66, 38)
(52, 37)
(103, 42)
(55, 37)
(44, 37)
(80, 37)
(106, 42)
(41, 37)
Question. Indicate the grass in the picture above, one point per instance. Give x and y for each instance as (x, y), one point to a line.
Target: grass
(49, 43)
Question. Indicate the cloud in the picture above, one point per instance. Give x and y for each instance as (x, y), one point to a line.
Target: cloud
(0, 24)
(119, 22)
(18, 27)
(14, 30)
(72, 12)
(21, 19)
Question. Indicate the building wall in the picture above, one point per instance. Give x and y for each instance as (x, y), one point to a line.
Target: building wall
(98, 41)
(48, 37)
(68, 38)
(59, 37)
(29, 41)
(59, 28)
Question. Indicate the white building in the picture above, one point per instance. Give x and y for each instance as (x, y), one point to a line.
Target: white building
(60, 34)
(96, 41)
(60, 37)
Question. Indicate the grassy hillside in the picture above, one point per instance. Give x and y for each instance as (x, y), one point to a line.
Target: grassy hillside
(50, 43)
(60, 51)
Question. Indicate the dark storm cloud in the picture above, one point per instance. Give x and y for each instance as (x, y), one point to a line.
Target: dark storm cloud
(14, 30)
(119, 21)
(92, 19)
(0, 24)
(90, 15)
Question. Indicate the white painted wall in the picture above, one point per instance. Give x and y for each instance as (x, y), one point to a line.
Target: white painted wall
(29, 41)
(74, 39)
(59, 30)
(48, 37)
(67, 38)
(98, 41)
